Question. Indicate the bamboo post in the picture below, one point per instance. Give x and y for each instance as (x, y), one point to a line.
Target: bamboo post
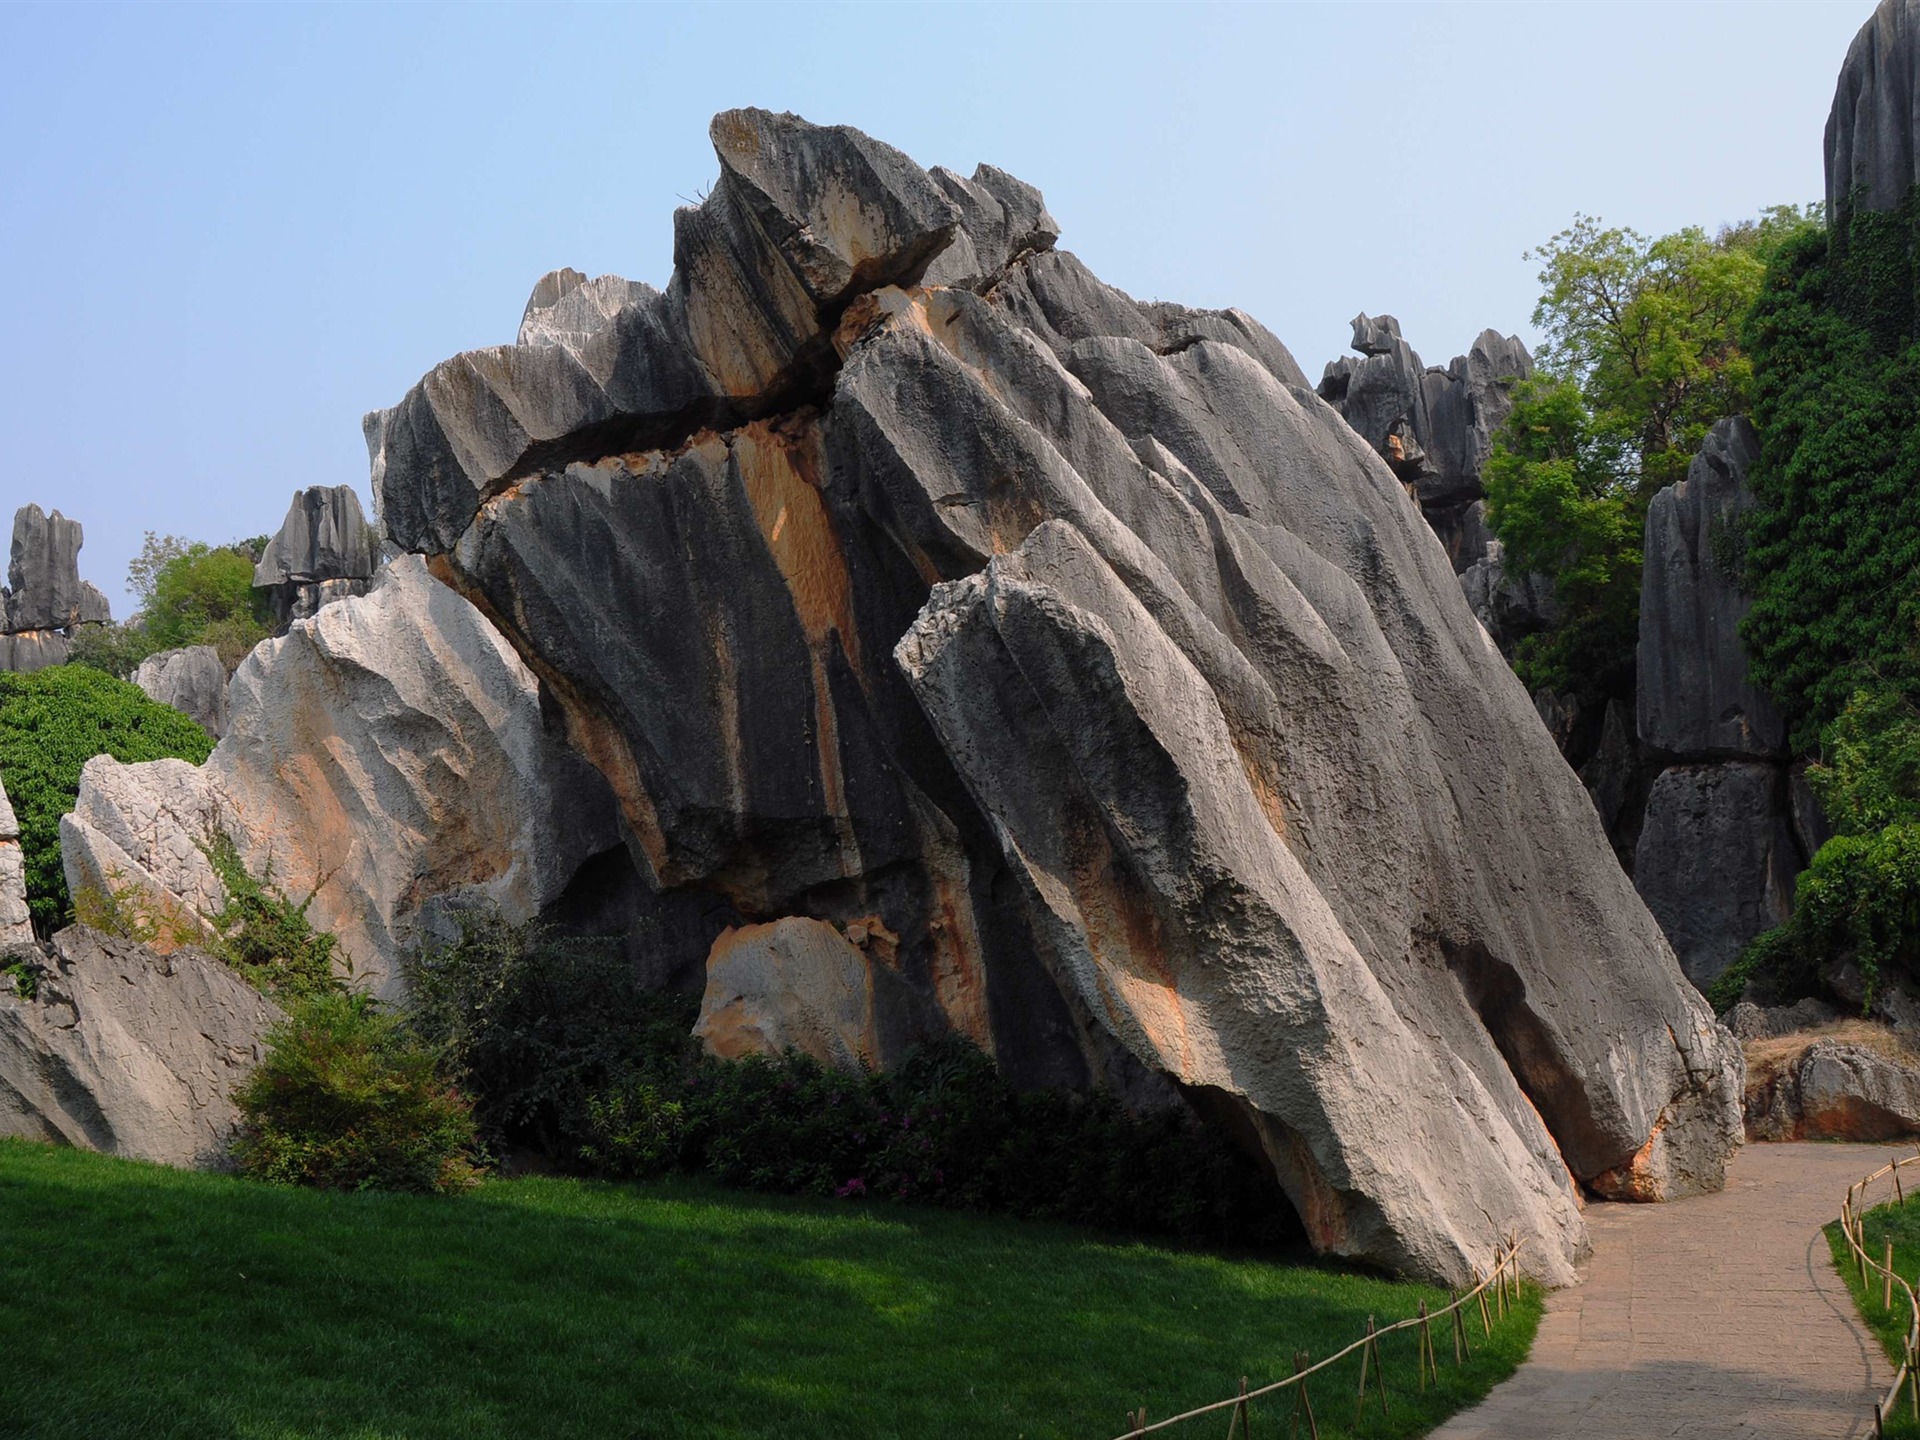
(1886, 1287)
(1302, 1402)
(1913, 1378)
(1486, 1317)
(1138, 1422)
(1366, 1352)
(1899, 1195)
(1240, 1416)
(1461, 1349)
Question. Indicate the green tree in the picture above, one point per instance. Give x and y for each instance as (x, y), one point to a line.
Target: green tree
(51, 723)
(1642, 356)
(205, 596)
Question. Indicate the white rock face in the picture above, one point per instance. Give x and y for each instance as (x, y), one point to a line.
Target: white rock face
(16, 925)
(382, 755)
(129, 1052)
(192, 681)
(798, 983)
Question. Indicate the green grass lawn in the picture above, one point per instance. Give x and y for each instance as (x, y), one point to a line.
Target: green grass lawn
(1902, 1223)
(139, 1301)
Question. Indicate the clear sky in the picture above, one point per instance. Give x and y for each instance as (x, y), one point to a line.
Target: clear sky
(229, 231)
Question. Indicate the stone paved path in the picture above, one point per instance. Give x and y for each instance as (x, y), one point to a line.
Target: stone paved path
(1707, 1318)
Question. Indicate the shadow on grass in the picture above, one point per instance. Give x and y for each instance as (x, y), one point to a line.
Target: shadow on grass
(142, 1301)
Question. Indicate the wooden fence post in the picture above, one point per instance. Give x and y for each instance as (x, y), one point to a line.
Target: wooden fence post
(1886, 1288)
(1302, 1402)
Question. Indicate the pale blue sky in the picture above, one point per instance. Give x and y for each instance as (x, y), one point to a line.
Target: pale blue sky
(229, 231)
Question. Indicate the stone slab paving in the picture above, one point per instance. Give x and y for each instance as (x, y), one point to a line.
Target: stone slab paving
(1709, 1318)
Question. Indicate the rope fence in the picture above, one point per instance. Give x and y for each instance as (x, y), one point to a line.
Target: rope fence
(1853, 1226)
(1489, 1299)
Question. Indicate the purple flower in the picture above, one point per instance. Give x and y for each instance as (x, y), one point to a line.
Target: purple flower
(854, 1187)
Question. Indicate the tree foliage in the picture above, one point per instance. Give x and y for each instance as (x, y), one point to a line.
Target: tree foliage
(1642, 356)
(51, 723)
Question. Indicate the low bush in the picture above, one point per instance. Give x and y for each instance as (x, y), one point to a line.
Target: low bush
(348, 1099)
(564, 1051)
(263, 934)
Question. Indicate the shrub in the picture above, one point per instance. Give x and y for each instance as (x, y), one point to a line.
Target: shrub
(115, 650)
(263, 934)
(564, 1050)
(51, 723)
(348, 1099)
(205, 596)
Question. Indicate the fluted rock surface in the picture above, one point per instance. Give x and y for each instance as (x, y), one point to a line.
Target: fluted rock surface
(324, 551)
(192, 680)
(387, 755)
(1694, 695)
(1873, 129)
(898, 573)
(44, 598)
(129, 1052)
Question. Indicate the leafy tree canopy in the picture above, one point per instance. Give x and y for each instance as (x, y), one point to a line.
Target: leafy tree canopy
(1642, 356)
(191, 593)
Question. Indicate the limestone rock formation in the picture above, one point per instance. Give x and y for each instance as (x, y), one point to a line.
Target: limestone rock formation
(1833, 1090)
(1078, 646)
(324, 551)
(129, 1052)
(1716, 860)
(1694, 696)
(801, 984)
(1726, 825)
(192, 680)
(16, 924)
(44, 598)
(1872, 144)
(388, 755)
(1434, 427)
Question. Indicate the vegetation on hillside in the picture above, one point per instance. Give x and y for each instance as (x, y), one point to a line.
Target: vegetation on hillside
(1643, 355)
(1832, 554)
(190, 593)
(567, 1308)
(51, 723)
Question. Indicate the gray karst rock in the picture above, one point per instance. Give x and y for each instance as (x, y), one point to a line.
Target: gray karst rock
(1434, 427)
(1694, 696)
(1834, 1090)
(16, 925)
(324, 551)
(1872, 150)
(389, 755)
(1073, 653)
(129, 1052)
(192, 680)
(44, 591)
(33, 650)
(1749, 1021)
(1716, 860)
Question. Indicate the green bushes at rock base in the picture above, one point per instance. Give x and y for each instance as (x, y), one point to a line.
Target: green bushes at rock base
(564, 1051)
(348, 1099)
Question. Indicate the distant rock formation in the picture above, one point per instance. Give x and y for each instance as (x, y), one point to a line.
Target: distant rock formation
(44, 599)
(1719, 842)
(899, 577)
(1872, 148)
(324, 551)
(388, 755)
(192, 680)
(16, 922)
(129, 1052)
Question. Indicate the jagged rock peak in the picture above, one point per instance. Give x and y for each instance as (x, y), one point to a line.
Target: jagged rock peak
(994, 653)
(1872, 149)
(1695, 699)
(44, 589)
(324, 537)
(1375, 335)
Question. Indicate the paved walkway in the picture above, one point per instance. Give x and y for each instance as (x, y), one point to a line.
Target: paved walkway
(1707, 1318)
